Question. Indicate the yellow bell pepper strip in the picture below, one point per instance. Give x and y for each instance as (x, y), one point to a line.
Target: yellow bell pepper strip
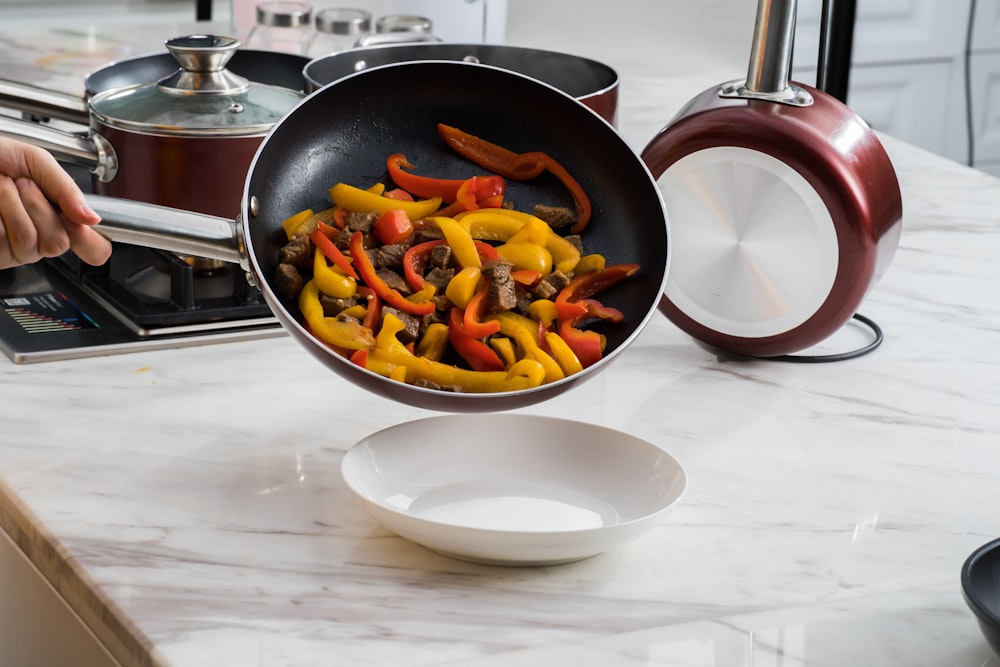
(534, 230)
(507, 225)
(587, 285)
(524, 255)
(389, 354)
(331, 282)
(481, 187)
(565, 255)
(479, 355)
(504, 349)
(460, 240)
(434, 343)
(478, 308)
(563, 353)
(491, 224)
(588, 263)
(371, 278)
(525, 333)
(356, 199)
(463, 286)
(291, 223)
(321, 238)
(543, 311)
(344, 334)
(518, 167)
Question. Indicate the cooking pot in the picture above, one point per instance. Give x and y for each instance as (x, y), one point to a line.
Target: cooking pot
(184, 141)
(785, 208)
(345, 131)
(591, 82)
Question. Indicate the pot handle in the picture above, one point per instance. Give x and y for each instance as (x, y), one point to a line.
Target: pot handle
(45, 103)
(91, 151)
(170, 229)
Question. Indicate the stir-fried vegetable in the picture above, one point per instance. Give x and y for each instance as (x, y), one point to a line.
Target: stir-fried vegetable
(441, 283)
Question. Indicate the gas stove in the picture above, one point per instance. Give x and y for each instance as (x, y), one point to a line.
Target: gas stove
(141, 299)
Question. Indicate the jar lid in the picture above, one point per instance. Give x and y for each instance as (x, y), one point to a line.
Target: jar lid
(202, 98)
(284, 14)
(403, 23)
(343, 21)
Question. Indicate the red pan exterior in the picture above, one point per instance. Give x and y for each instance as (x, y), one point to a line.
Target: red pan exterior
(839, 156)
(201, 174)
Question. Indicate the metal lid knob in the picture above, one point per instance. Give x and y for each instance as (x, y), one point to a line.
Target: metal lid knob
(203, 60)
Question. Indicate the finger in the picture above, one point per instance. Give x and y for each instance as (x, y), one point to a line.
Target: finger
(51, 239)
(87, 243)
(58, 186)
(21, 233)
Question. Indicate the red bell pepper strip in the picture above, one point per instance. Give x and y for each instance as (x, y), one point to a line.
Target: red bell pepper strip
(371, 278)
(587, 285)
(476, 353)
(321, 239)
(360, 358)
(516, 166)
(475, 311)
(373, 313)
(416, 256)
(448, 189)
(393, 227)
(588, 346)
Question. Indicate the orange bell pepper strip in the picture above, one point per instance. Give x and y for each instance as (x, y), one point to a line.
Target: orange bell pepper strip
(477, 309)
(517, 166)
(479, 355)
(367, 273)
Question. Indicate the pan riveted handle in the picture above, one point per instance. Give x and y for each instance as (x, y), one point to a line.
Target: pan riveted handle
(170, 229)
(771, 58)
(91, 151)
(36, 101)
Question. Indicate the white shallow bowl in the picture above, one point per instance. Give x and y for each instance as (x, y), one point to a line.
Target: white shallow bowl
(512, 489)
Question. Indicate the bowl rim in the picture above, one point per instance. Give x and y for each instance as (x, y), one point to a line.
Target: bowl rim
(971, 597)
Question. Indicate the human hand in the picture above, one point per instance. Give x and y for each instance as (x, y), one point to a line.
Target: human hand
(42, 211)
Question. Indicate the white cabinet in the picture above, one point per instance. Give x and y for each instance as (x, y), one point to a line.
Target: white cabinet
(908, 67)
(37, 627)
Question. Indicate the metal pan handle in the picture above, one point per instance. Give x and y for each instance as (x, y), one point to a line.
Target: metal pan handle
(36, 101)
(170, 229)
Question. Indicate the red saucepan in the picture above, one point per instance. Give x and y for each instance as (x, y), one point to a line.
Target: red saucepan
(184, 141)
(784, 207)
(344, 132)
(592, 82)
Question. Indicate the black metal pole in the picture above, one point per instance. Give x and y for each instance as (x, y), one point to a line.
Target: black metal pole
(202, 10)
(836, 41)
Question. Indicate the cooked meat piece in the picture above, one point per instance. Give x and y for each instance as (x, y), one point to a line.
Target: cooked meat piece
(576, 241)
(439, 278)
(288, 281)
(343, 239)
(389, 256)
(332, 306)
(395, 281)
(297, 252)
(358, 221)
(441, 257)
(556, 216)
(430, 384)
(550, 285)
(423, 234)
(411, 325)
(524, 300)
(441, 304)
(502, 293)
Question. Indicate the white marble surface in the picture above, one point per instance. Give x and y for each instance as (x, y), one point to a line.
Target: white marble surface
(189, 505)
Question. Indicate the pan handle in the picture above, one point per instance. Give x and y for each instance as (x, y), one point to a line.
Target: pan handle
(170, 229)
(91, 151)
(37, 101)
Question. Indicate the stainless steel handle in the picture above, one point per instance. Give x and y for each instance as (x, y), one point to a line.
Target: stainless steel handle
(45, 103)
(85, 150)
(170, 229)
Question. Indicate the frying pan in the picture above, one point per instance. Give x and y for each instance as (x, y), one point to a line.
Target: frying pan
(345, 131)
(785, 208)
(591, 82)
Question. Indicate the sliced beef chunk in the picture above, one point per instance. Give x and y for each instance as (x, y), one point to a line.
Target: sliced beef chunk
(556, 216)
(297, 252)
(360, 221)
(576, 241)
(439, 278)
(502, 292)
(389, 256)
(412, 325)
(332, 306)
(288, 281)
(441, 257)
(395, 281)
(549, 286)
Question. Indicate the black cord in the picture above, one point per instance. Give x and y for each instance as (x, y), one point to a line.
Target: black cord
(970, 131)
(839, 356)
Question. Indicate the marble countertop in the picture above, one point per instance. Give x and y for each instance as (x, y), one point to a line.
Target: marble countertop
(188, 503)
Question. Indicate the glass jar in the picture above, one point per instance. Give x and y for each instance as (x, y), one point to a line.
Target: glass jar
(404, 23)
(339, 29)
(282, 26)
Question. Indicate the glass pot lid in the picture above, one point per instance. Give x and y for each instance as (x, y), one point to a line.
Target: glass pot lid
(202, 98)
